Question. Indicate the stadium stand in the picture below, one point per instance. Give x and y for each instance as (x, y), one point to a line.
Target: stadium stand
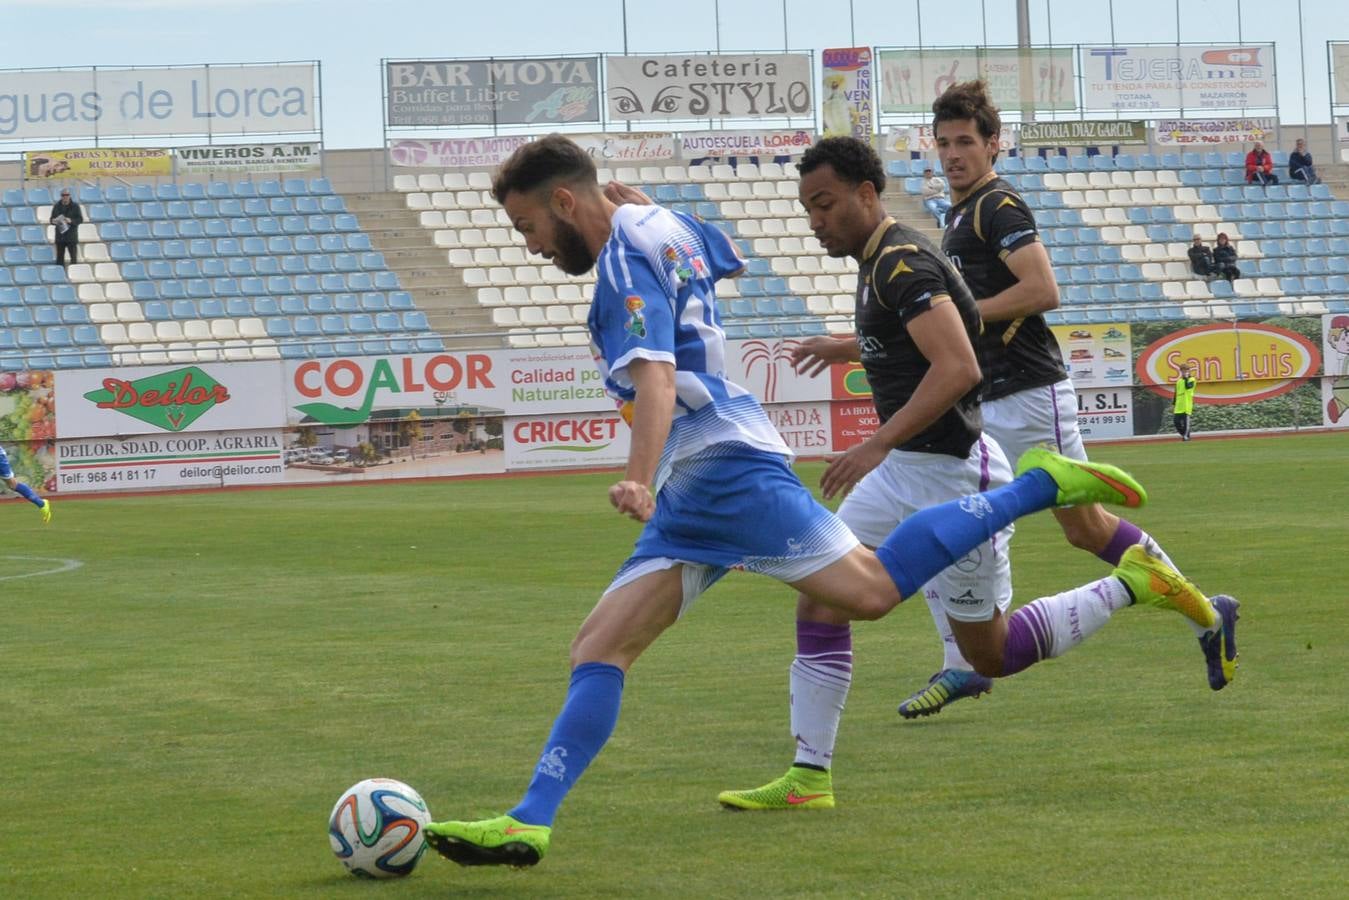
(199, 272)
(1118, 229)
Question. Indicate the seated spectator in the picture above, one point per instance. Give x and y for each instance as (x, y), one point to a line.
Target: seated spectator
(934, 197)
(1201, 259)
(1300, 166)
(1260, 166)
(1225, 258)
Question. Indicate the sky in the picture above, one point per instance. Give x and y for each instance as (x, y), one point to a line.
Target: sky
(350, 37)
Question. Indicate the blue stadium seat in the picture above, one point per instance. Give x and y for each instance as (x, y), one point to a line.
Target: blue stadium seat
(359, 240)
(346, 302)
(347, 222)
(386, 281)
(52, 274)
(1126, 292)
(40, 196)
(306, 243)
(306, 284)
(293, 225)
(193, 191)
(167, 191)
(1294, 265)
(1076, 163)
(295, 187)
(332, 324)
(281, 206)
(415, 320)
(218, 190)
(46, 315)
(1150, 290)
(1295, 228)
(374, 301)
(319, 303)
(243, 189)
(319, 263)
(398, 300)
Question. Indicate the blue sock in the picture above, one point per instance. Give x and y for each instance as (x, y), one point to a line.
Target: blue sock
(931, 539)
(580, 731)
(26, 493)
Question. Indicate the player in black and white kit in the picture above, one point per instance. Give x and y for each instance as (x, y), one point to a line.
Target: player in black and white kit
(916, 323)
(1028, 400)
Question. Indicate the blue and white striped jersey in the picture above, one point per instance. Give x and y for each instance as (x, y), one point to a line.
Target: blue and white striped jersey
(655, 299)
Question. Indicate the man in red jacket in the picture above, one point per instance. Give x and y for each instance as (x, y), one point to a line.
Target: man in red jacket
(1260, 166)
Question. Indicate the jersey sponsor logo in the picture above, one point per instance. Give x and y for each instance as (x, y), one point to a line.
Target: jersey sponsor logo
(635, 327)
(970, 561)
(796, 799)
(965, 599)
(1006, 201)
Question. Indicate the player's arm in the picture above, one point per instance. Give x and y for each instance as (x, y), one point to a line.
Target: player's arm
(1035, 291)
(652, 413)
(939, 334)
(815, 354)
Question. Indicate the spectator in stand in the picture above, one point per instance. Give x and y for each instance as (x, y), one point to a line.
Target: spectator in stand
(1300, 166)
(65, 219)
(935, 198)
(1260, 166)
(1225, 258)
(1201, 259)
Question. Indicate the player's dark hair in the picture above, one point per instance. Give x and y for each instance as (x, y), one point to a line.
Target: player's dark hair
(541, 163)
(851, 159)
(968, 100)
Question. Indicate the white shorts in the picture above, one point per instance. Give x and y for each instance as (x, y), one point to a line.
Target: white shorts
(906, 482)
(1034, 417)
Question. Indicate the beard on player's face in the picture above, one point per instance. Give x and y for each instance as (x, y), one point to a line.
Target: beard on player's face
(571, 254)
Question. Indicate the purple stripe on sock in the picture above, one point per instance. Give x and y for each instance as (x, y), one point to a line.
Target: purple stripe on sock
(1126, 535)
(1023, 648)
(815, 638)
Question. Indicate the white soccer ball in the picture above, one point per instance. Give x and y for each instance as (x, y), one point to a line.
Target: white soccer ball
(376, 828)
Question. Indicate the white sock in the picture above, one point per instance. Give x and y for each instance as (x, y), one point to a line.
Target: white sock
(951, 655)
(819, 681)
(1069, 618)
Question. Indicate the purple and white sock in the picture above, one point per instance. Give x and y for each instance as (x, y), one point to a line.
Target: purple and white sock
(1051, 626)
(820, 677)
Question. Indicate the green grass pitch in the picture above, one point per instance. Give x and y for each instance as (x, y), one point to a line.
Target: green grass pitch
(178, 715)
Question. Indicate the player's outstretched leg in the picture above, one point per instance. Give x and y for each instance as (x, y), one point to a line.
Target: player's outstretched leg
(1220, 645)
(936, 537)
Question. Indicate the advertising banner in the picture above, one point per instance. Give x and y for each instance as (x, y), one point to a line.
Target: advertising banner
(1339, 64)
(1335, 386)
(705, 144)
(28, 425)
(151, 400)
(763, 366)
(807, 428)
(847, 99)
(1251, 375)
(718, 86)
(200, 459)
(80, 103)
(96, 161)
(493, 91)
(1087, 133)
(920, 139)
(453, 153)
(1214, 76)
(1104, 413)
(1096, 355)
(1214, 131)
(577, 440)
(852, 422)
(248, 159)
(913, 78)
(632, 147)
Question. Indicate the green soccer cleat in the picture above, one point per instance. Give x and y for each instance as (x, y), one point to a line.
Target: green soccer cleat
(1153, 582)
(1081, 482)
(502, 841)
(46, 510)
(800, 788)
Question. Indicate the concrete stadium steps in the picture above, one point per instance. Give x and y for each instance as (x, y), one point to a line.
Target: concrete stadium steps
(438, 289)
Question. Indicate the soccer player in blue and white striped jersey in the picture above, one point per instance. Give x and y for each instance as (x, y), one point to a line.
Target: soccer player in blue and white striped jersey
(707, 473)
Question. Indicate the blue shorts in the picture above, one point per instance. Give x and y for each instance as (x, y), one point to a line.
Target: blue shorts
(5, 470)
(732, 506)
